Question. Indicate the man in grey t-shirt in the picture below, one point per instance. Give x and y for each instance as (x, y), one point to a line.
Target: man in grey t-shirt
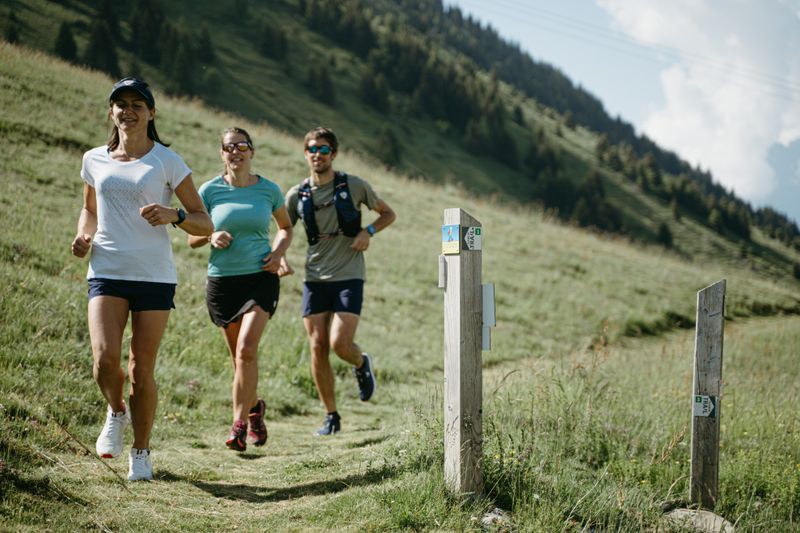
(335, 270)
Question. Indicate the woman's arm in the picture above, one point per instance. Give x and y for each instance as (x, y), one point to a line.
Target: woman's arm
(197, 221)
(283, 238)
(87, 223)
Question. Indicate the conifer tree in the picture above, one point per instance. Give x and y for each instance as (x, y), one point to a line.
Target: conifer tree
(146, 27)
(274, 43)
(664, 235)
(135, 69)
(374, 90)
(205, 47)
(185, 66)
(107, 13)
(388, 146)
(100, 52)
(65, 46)
(170, 39)
(12, 28)
(320, 83)
(212, 82)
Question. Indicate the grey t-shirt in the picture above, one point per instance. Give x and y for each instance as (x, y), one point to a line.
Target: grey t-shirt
(332, 259)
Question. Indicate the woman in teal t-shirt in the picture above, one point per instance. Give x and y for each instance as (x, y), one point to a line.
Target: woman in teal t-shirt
(243, 284)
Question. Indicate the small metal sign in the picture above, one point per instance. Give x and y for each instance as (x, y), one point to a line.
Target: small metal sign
(471, 237)
(705, 406)
(451, 243)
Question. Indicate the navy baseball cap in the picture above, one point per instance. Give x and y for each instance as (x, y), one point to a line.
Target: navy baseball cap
(133, 84)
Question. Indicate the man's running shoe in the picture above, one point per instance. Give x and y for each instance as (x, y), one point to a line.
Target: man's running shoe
(109, 443)
(365, 378)
(332, 424)
(140, 467)
(258, 430)
(237, 440)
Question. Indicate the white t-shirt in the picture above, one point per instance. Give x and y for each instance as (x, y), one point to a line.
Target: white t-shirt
(125, 245)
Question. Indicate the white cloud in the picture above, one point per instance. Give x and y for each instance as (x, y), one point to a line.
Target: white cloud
(732, 92)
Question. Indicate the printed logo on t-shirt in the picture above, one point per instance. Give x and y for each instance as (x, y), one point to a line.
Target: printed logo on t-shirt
(123, 196)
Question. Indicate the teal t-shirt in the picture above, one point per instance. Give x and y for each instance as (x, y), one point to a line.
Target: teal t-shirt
(245, 213)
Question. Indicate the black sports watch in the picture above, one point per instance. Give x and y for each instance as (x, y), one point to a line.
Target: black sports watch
(181, 218)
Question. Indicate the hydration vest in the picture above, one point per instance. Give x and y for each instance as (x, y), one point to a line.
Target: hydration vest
(349, 217)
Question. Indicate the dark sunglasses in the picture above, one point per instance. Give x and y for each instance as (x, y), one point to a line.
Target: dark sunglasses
(324, 149)
(241, 146)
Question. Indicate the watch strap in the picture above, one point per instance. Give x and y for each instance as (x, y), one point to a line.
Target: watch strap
(181, 218)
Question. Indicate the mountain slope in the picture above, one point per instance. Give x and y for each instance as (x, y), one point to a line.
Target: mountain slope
(514, 133)
(568, 304)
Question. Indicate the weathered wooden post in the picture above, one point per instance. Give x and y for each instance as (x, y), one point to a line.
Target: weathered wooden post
(460, 276)
(707, 392)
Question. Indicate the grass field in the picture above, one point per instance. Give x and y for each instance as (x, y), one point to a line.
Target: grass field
(586, 390)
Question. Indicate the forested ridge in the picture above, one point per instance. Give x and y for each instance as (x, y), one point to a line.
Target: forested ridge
(412, 60)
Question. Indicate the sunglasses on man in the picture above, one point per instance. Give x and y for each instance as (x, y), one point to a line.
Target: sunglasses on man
(241, 146)
(324, 149)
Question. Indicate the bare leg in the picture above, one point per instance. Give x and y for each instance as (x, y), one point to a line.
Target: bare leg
(148, 328)
(343, 331)
(318, 327)
(243, 338)
(107, 318)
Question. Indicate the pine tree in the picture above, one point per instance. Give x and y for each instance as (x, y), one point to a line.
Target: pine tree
(170, 38)
(185, 66)
(12, 28)
(715, 220)
(65, 46)
(107, 13)
(212, 82)
(205, 48)
(374, 90)
(388, 146)
(146, 30)
(673, 207)
(664, 235)
(135, 69)
(100, 53)
(274, 42)
(320, 83)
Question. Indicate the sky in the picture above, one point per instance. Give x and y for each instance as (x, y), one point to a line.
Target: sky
(715, 81)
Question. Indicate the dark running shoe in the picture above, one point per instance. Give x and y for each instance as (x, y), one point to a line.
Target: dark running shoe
(258, 431)
(365, 378)
(331, 425)
(237, 440)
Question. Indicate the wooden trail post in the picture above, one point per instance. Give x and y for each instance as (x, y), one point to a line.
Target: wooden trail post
(707, 393)
(460, 276)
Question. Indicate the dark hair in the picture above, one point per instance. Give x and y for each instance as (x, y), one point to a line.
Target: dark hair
(240, 131)
(113, 138)
(322, 132)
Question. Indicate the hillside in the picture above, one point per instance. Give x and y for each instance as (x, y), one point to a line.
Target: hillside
(585, 323)
(430, 93)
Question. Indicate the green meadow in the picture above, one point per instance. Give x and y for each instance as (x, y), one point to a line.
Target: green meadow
(587, 387)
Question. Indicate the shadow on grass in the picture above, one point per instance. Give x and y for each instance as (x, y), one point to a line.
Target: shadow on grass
(255, 494)
(367, 442)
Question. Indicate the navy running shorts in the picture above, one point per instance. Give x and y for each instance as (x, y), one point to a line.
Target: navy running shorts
(336, 296)
(141, 295)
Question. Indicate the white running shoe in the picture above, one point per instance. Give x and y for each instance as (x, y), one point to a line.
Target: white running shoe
(140, 467)
(109, 443)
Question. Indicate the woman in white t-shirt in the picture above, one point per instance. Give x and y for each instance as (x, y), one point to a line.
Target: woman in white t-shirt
(127, 188)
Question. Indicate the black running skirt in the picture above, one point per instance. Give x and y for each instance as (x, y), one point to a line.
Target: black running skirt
(229, 297)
